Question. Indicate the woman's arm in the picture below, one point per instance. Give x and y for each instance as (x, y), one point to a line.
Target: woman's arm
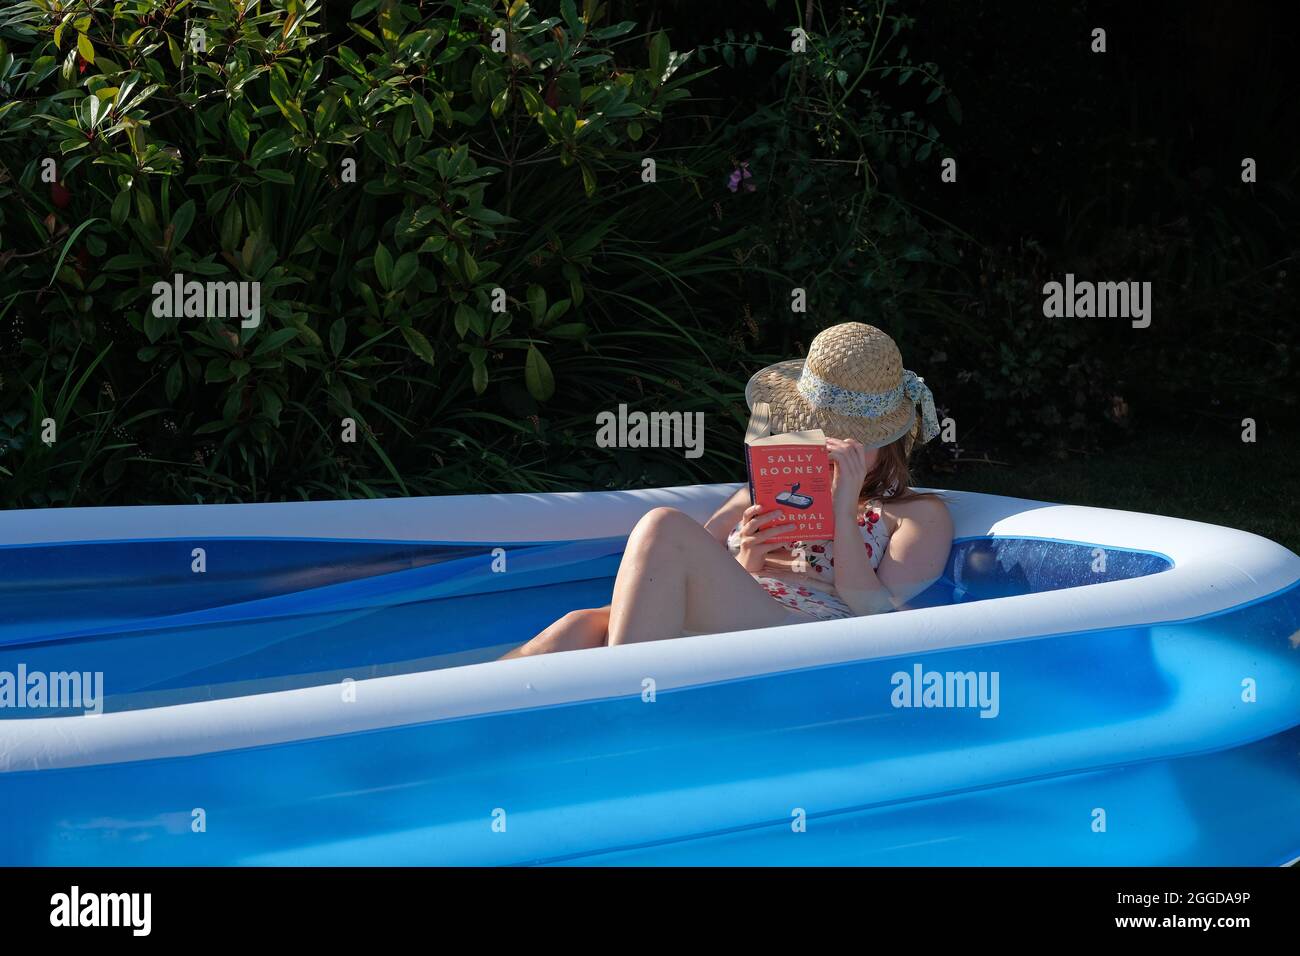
(725, 518)
(856, 581)
(917, 551)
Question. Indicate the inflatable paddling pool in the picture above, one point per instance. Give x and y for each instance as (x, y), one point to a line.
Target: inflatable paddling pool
(314, 683)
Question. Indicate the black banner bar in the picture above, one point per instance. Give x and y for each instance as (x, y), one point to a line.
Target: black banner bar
(337, 905)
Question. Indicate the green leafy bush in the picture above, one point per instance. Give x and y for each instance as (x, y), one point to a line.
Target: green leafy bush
(381, 176)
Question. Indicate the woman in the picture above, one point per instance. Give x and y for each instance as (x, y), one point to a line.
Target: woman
(678, 577)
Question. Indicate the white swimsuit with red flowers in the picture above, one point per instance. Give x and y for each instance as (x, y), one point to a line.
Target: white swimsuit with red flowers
(801, 590)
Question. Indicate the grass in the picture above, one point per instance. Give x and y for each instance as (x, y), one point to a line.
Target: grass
(1206, 478)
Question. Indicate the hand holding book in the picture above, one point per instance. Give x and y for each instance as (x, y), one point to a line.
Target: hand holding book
(848, 473)
(758, 529)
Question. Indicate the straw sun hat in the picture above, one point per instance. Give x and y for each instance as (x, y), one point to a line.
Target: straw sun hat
(851, 385)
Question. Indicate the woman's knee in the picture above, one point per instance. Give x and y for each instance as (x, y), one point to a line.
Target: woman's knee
(587, 627)
(660, 526)
(586, 617)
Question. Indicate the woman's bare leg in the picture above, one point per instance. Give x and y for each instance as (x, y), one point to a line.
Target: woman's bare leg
(573, 632)
(674, 577)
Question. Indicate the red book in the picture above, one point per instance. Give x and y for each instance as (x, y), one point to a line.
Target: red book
(791, 474)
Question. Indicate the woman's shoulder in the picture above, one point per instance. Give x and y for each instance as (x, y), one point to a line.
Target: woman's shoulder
(928, 510)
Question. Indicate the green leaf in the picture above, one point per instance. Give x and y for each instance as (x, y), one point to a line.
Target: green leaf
(232, 227)
(144, 206)
(338, 334)
(238, 127)
(401, 126)
(68, 245)
(536, 296)
(478, 359)
(418, 343)
(384, 267)
(556, 310)
(172, 385)
(85, 48)
(404, 270)
(218, 370)
(423, 114)
(275, 176)
(469, 266)
(277, 339)
(659, 49)
(466, 318)
(489, 216)
(155, 326)
(272, 143)
(588, 180)
(121, 207)
(500, 102)
(569, 10)
(569, 330)
(181, 222)
(954, 108)
(537, 375)
(271, 403)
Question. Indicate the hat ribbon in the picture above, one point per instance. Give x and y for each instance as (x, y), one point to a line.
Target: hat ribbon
(850, 403)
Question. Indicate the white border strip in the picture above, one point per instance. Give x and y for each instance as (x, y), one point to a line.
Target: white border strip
(1216, 569)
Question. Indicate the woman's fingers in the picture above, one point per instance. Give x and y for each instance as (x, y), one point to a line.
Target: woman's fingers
(847, 448)
(756, 522)
(849, 456)
(764, 537)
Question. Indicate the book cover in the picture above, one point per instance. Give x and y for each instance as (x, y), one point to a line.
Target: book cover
(791, 474)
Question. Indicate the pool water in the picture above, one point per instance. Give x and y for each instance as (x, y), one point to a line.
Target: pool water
(269, 614)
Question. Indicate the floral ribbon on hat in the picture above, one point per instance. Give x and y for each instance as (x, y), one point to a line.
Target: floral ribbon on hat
(854, 404)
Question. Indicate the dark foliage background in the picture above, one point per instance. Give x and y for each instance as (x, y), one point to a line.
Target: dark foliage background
(666, 296)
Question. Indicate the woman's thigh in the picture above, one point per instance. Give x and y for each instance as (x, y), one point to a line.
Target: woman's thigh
(723, 596)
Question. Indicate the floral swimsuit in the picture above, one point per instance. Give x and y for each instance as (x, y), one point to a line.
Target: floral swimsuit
(799, 589)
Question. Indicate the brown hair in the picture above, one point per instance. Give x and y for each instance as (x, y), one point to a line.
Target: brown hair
(891, 472)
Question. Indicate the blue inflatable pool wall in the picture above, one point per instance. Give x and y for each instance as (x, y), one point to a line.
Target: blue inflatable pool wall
(931, 736)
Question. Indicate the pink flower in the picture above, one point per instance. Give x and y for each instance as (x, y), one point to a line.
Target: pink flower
(738, 176)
